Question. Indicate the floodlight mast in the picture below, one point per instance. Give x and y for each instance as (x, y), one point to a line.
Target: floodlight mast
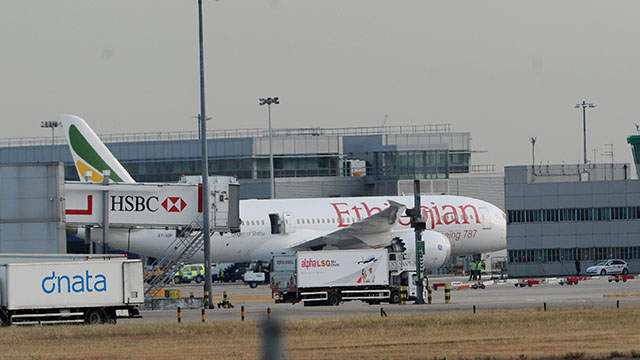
(533, 150)
(206, 227)
(584, 105)
(272, 186)
(53, 125)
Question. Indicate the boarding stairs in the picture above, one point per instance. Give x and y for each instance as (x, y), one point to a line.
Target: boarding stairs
(186, 245)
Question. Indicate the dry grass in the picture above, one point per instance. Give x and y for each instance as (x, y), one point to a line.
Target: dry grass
(571, 333)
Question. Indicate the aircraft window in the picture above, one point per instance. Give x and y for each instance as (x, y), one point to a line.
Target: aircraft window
(297, 221)
(333, 220)
(323, 220)
(262, 221)
(251, 222)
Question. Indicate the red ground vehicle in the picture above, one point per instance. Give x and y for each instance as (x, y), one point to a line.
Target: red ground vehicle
(623, 278)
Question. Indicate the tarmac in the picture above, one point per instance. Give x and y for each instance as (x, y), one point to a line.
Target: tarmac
(498, 295)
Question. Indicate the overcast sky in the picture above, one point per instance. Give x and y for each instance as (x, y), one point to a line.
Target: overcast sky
(503, 70)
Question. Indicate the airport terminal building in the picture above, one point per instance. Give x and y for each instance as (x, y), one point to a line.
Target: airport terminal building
(308, 162)
(559, 213)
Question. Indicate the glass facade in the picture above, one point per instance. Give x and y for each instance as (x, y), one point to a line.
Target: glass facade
(242, 168)
(574, 214)
(586, 254)
(316, 165)
(421, 164)
(459, 162)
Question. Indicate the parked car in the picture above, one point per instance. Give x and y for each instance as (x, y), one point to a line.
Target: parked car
(188, 273)
(607, 267)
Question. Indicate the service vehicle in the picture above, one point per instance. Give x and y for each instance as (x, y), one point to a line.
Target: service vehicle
(333, 276)
(256, 273)
(189, 273)
(92, 291)
(607, 267)
(228, 272)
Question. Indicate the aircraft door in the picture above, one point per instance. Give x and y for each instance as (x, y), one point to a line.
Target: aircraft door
(289, 223)
(274, 220)
(485, 217)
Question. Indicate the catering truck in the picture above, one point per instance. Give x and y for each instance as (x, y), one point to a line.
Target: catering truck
(334, 276)
(92, 291)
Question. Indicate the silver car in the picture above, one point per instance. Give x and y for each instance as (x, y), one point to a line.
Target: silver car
(607, 267)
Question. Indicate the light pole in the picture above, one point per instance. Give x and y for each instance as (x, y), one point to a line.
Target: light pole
(533, 150)
(208, 292)
(53, 125)
(268, 102)
(584, 105)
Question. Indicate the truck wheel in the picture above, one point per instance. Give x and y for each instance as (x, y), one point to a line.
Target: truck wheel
(199, 279)
(177, 279)
(95, 316)
(395, 297)
(334, 299)
(253, 285)
(4, 319)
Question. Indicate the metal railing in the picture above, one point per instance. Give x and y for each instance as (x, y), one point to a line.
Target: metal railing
(237, 133)
(183, 248)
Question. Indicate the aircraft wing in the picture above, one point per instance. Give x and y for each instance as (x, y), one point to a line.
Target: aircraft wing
(372, 231)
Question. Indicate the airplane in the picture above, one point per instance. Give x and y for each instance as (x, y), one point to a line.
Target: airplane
(455, 225)
(368, 260)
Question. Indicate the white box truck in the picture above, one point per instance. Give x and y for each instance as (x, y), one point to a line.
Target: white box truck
(334, 276)
(90, 291)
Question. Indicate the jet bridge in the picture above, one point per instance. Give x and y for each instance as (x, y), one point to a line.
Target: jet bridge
(134, 205)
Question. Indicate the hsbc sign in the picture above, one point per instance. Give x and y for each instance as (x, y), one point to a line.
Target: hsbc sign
(138, 203)
(150, 204)
(134, 204)
(174, 204)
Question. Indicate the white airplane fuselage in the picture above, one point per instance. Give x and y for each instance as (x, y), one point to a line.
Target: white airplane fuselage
(472, 226)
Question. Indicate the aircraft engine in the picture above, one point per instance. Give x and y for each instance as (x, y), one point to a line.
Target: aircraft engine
(437, 248)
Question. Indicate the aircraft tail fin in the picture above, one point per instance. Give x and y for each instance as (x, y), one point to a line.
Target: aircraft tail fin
(89, 152)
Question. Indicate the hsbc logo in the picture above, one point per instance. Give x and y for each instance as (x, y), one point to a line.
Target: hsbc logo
(137, 203)
(174, 204)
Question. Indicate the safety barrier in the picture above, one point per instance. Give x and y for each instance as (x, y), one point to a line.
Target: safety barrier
(447, 294)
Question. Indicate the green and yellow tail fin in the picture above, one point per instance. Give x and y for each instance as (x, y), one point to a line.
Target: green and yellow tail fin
(89, 152)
